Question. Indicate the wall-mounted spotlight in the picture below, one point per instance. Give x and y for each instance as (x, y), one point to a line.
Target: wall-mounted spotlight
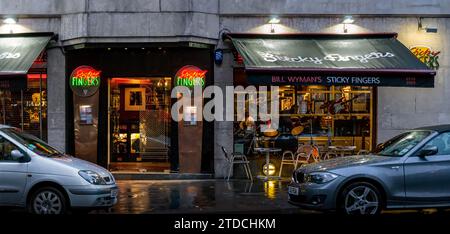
(9, 20)
(10, 23)
(429, 28)
(272, 21)
(348, 19)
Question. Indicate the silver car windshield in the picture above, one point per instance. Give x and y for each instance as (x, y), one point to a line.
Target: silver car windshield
(401, 144)
(32, 143)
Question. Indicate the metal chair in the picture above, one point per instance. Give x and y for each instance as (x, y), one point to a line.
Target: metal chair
(363, 152)
(330, 154)
(303, 155)
(323, 150)
(237, 158)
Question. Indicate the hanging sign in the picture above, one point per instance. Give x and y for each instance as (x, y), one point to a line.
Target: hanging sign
(190, 76)
(426, 55)
(85, 81)
(404, 80)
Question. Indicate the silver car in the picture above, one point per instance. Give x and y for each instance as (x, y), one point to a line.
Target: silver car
(411, 170)
(46, 181)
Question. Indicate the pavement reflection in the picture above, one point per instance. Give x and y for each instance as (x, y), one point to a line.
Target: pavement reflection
(210, 196)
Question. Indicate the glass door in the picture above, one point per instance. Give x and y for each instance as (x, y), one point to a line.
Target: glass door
(139, 119)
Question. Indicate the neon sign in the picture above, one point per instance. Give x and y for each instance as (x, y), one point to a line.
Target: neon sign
(85, 81)
(190, 76)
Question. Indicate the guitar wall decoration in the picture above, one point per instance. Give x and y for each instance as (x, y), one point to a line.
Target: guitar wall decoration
(336, 106)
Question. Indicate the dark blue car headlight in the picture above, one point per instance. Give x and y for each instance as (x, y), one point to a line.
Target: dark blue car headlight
(320, 177)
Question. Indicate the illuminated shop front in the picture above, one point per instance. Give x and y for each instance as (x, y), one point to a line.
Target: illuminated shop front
(327, 86)
(326, 115)
(23, 82)
(122, 108)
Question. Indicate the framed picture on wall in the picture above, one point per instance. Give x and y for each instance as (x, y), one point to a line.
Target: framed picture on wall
(190, 115)
(318, 107)
(86, 114)
(287, 103)
(360, 103)
(134, 99)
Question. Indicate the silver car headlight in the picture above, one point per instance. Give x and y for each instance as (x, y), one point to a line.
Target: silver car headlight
(320, 177)
(92, 177)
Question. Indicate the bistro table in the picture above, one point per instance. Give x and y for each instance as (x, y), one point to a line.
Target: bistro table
(267, 151)
(340, 150)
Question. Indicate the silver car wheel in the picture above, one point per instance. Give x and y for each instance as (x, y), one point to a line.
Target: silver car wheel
(361, 200)
(47, 202)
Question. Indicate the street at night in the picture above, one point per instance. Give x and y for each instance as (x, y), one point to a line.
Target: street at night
(209, 115)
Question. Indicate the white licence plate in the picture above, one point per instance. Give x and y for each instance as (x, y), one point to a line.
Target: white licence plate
(114, 193)
(293, 190)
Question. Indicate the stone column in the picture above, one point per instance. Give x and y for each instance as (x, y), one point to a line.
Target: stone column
(56, 98)
(223, 131)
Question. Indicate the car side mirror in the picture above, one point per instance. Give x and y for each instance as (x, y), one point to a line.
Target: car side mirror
(18, 156)
(428, 150)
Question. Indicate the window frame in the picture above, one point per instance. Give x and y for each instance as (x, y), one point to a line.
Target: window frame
(18, 146)
(414, 150)
(416, 154)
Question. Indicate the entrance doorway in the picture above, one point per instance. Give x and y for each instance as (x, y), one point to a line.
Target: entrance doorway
(139, 124)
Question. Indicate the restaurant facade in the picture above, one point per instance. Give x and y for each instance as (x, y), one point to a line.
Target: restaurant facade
(351, 84)
(327, 86)
(122, 99)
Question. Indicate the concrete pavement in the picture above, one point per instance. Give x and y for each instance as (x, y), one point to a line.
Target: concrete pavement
(203, 196)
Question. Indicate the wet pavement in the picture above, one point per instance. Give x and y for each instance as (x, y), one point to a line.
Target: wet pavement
(203, 196)
(207, 196)
(210, 196)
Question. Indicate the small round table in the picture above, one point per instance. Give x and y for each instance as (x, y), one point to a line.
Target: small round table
(267, 151)
(342, 150)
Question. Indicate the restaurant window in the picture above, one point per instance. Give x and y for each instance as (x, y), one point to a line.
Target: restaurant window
(320, 115)
(23, 101)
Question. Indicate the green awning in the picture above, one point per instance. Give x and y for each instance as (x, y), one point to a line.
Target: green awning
(330, 59)
(19, 51)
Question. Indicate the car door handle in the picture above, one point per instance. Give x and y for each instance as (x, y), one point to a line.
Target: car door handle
(395, 167)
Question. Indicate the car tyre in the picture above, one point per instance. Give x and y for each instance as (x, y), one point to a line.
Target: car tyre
(360, 198)
(47, 201)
